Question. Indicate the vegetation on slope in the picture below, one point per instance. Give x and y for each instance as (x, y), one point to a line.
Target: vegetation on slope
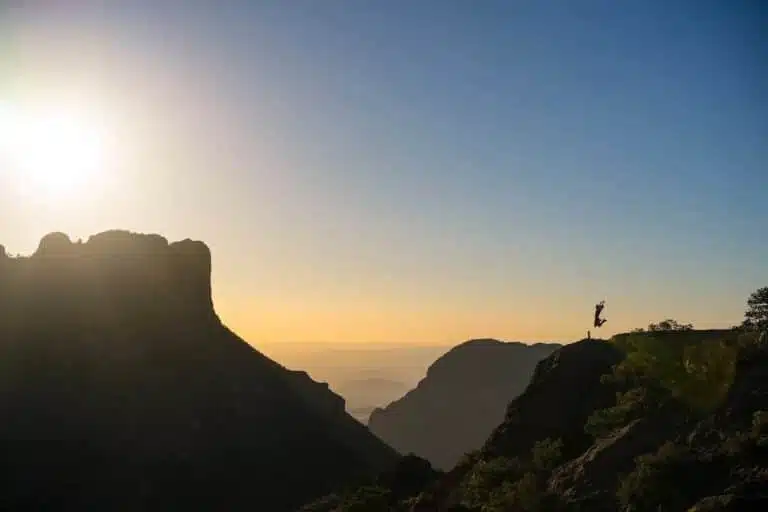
(391, 491)
(693, 369)
(688, 430)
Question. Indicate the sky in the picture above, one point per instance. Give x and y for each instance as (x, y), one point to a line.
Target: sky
(416, 172)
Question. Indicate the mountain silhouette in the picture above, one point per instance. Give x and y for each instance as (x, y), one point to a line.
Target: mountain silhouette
(459, 402)
(120, 389)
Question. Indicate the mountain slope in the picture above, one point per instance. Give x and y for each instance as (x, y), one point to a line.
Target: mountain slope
(629, 441)
(462, 398)
(121, 389)
(642, 422)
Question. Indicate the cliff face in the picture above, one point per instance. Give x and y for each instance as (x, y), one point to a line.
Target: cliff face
(114, 274)
(564, 390)
(120, 386)
(463, 397)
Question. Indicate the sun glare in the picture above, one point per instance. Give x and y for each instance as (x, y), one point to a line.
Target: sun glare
(54, 152)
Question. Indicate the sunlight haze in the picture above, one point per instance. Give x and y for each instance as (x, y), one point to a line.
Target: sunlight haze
(54, 153)
(410, 172)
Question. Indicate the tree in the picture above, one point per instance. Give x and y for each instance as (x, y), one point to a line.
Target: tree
(670, 324)
(547, 454)
(756, 316)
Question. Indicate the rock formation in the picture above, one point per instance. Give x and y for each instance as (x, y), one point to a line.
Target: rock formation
(121, 389)
(462, 398)
(672, 420)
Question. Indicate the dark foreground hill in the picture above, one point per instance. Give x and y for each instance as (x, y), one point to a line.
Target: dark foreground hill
(460, 401)
(643, 422)
(120, 389)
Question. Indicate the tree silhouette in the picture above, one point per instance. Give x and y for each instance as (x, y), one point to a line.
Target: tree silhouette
(670, 324)
(756, 315)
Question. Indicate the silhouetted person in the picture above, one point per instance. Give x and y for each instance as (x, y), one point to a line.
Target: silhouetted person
(599, 309)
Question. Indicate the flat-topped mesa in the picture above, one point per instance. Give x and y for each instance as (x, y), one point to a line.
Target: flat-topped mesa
(124, 271)
(115, 341)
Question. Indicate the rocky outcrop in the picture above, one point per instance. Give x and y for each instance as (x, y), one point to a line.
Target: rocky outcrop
(592, 478)
(128, 272)
(564, 390)
(689, 431)
(459, 402)
(121, 389)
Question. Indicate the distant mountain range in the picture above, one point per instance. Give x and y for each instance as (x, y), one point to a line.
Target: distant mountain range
(120, 389)
(460, 401)
(367, 375)
(363, 395)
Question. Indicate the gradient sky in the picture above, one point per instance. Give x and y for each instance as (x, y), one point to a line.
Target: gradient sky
(419, 171)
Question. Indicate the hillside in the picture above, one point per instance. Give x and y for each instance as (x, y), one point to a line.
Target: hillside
(459, 402)
(120, 389)
(642, 422)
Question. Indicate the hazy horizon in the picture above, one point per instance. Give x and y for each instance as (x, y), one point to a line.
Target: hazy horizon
(383, 172)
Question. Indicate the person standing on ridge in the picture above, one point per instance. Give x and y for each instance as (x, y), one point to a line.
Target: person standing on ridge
(599, 309)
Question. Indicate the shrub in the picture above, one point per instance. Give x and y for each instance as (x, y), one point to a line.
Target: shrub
(756, 316)
(630, 405)
(655, 480)
(547, 454)
(489, 475)
(502, 483)
(527, 494)
(698, 374)
(760, 428)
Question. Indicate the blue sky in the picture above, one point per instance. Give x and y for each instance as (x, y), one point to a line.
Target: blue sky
(428, 170)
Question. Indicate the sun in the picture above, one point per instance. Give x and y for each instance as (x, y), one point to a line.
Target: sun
(52, 151)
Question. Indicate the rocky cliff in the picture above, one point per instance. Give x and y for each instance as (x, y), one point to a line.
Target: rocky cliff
(121, 389)
(460, 401)
(670, 420)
